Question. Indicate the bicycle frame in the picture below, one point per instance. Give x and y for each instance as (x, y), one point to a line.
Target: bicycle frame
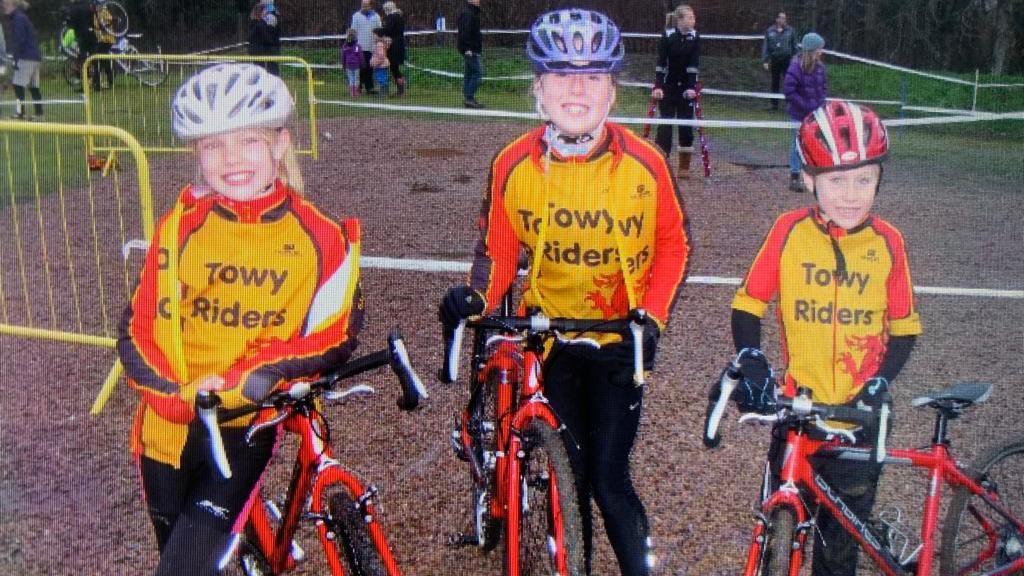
(315, 471)
(797, 473)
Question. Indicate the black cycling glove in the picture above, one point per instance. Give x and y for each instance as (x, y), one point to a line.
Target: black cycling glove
(459, 303)
(756, 391)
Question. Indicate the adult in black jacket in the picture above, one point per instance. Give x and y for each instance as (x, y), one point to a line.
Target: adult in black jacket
(471, 43)
(779, 47)
(80, 19)
(676, 82)
(394, 28)
(265, 34)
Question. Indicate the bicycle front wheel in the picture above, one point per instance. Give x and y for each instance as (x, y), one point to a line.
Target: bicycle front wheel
(353, 537)
(150, 73)
(780, 535)
(550, 528)
(976, 539)
(483, 428)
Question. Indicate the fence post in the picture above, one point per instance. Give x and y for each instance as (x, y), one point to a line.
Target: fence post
(974, 102)
(903, 101)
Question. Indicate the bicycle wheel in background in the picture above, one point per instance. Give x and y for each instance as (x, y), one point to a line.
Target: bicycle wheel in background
(118, 22)
(550, 511)
(72, 73)
(975, 538)
(361, 557)
(778, 545)
(483, 429)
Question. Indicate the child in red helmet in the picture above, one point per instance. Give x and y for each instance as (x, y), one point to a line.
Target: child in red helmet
(845, 302)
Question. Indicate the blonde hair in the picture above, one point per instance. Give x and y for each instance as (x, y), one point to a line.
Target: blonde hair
(390, 7)
(670, 20)
(288, 171)
(808, 59)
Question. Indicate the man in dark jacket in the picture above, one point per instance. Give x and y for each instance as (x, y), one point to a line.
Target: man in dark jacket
(80, 18)
(471, 43)
(778, 49)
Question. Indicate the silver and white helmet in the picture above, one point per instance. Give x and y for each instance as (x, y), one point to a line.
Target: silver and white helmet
(227, 97)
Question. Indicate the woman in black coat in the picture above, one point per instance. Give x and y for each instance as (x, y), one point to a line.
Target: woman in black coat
(265, 34)
(394, 28)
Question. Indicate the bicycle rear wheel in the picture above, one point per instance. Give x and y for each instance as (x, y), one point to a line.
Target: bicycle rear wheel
(72, 73)
(975, 538)
(550, 510)
(780, 534)
(150, 73)
(118, 22)
(361, 557)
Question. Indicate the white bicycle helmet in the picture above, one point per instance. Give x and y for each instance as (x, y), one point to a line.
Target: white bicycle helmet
(228, 97)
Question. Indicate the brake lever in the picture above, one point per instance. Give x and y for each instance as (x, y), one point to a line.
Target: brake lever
(206, 410)
(281, 416)
(334, 397)
(636, 327)
(760, 418)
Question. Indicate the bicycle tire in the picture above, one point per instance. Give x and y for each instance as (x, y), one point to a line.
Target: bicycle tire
(361, 557)
(483, 430)
(249, 560)
(118, 24)
(1001, 467)
(778, 545)
(546, 464)
(72, 73)
(150, 73)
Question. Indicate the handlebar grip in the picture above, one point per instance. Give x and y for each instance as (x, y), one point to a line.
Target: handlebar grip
(850, 415)
(412, 388)
(883, 433)
(206, 408)
(452, 347)
(716, 409)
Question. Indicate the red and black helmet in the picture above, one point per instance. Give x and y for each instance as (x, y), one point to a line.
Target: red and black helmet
(840, 135)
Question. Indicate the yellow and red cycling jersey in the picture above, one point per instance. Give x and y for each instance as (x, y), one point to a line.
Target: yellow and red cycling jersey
(841, 295)
(268, 293)
(605, 233)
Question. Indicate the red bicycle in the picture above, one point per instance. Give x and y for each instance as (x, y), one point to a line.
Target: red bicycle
(984, 528)
(513, 440)
(321, 492)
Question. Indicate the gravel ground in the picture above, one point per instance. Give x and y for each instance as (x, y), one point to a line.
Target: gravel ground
(69, 495)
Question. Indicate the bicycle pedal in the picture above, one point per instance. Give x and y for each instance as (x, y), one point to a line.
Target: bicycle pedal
(460, 540)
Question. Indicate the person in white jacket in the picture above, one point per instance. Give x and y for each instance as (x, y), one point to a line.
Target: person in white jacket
(365, 21)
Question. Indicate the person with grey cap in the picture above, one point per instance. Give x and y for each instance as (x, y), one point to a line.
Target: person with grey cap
(806, 88)
(776, 52)
(365, 21)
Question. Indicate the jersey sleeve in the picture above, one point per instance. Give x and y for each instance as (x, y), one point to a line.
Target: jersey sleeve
(496, 256)
(327, 338)
(900, 311)
(762, 280)
(149, 370)
(671, 250)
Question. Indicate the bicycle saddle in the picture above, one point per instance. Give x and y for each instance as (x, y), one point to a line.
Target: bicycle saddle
(956, 398)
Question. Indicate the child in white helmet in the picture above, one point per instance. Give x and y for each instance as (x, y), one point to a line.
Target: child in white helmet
(225, 302)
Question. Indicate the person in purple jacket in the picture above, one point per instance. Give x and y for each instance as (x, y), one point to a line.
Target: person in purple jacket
(352, 61)
(25, 49)
(806, 88)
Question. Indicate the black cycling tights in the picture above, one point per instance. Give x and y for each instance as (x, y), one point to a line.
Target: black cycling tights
(193, 508)
(592, 392)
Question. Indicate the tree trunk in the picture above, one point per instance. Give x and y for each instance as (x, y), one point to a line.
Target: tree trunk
(1004, 35)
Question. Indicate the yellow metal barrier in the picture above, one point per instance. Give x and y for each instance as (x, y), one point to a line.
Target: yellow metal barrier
(63, 275)
(145, 110)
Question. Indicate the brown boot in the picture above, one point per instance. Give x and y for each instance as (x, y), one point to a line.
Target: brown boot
(684, 162)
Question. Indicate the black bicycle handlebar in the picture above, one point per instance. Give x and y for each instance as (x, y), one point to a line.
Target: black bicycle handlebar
(540, 324)
(395, 355)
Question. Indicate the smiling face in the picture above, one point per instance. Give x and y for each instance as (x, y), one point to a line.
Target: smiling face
(576, 104)
(846, 196)
(242, 165)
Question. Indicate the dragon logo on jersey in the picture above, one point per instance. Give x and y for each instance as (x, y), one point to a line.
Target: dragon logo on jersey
(618, 304)
(873, 347)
